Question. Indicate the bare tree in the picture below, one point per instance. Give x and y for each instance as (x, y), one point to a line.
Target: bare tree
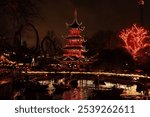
(17, 12)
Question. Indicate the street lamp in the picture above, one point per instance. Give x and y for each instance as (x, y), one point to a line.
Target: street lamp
(141, 6)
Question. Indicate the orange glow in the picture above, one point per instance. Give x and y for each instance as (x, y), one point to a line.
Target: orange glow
(74, 41)
(74, 44)
(75, 31)
(134, 38)
(74, 51)
(74, 54)
(141, 2)
(93, 73)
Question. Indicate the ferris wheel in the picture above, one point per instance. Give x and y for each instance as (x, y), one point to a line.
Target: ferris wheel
(27, 37)
(48, 45)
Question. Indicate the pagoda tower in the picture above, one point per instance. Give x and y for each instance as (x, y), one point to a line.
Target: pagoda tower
(73, 51)
(74, 41)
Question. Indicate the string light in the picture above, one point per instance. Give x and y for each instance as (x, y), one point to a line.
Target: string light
(134, 39)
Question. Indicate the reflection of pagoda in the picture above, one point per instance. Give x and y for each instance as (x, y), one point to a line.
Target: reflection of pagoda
(73, 52)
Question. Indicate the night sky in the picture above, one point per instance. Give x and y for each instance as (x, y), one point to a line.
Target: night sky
(94, 14)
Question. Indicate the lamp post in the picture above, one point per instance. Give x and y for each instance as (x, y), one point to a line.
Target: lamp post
(141, 7)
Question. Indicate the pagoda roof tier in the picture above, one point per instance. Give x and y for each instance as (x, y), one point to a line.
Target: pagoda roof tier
(72, 41)
(74, 55)
(79, 62)
(74, 47)
(75, 23)
(77, 49)
(72, 59)
(75, 40)
(74, 36)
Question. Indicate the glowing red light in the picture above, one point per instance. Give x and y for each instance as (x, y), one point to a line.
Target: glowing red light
(75, 31)
(75, 42)
(134, 39)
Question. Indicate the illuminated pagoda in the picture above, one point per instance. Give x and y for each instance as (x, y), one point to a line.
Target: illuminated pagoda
(73, 52)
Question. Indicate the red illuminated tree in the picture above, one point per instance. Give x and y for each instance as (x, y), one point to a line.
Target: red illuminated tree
(135, 39)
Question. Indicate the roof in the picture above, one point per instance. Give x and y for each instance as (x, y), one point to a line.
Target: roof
(4, 61)
(75, 23)
(74, 47)
(71, 58)
(74, 37)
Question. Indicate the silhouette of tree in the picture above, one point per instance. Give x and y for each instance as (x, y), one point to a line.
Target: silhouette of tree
(13, 13)
(50, 44)
(103, 40)
(115, 59)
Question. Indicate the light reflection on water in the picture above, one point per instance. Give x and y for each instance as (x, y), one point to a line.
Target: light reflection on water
(74, 94)
(79, 93)
(84, 88)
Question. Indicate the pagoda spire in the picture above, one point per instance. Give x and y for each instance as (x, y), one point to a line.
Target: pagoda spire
(75, 23)
(141, 6)
(75, 13)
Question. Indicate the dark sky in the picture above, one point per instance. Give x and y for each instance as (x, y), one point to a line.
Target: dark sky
(95, 15)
